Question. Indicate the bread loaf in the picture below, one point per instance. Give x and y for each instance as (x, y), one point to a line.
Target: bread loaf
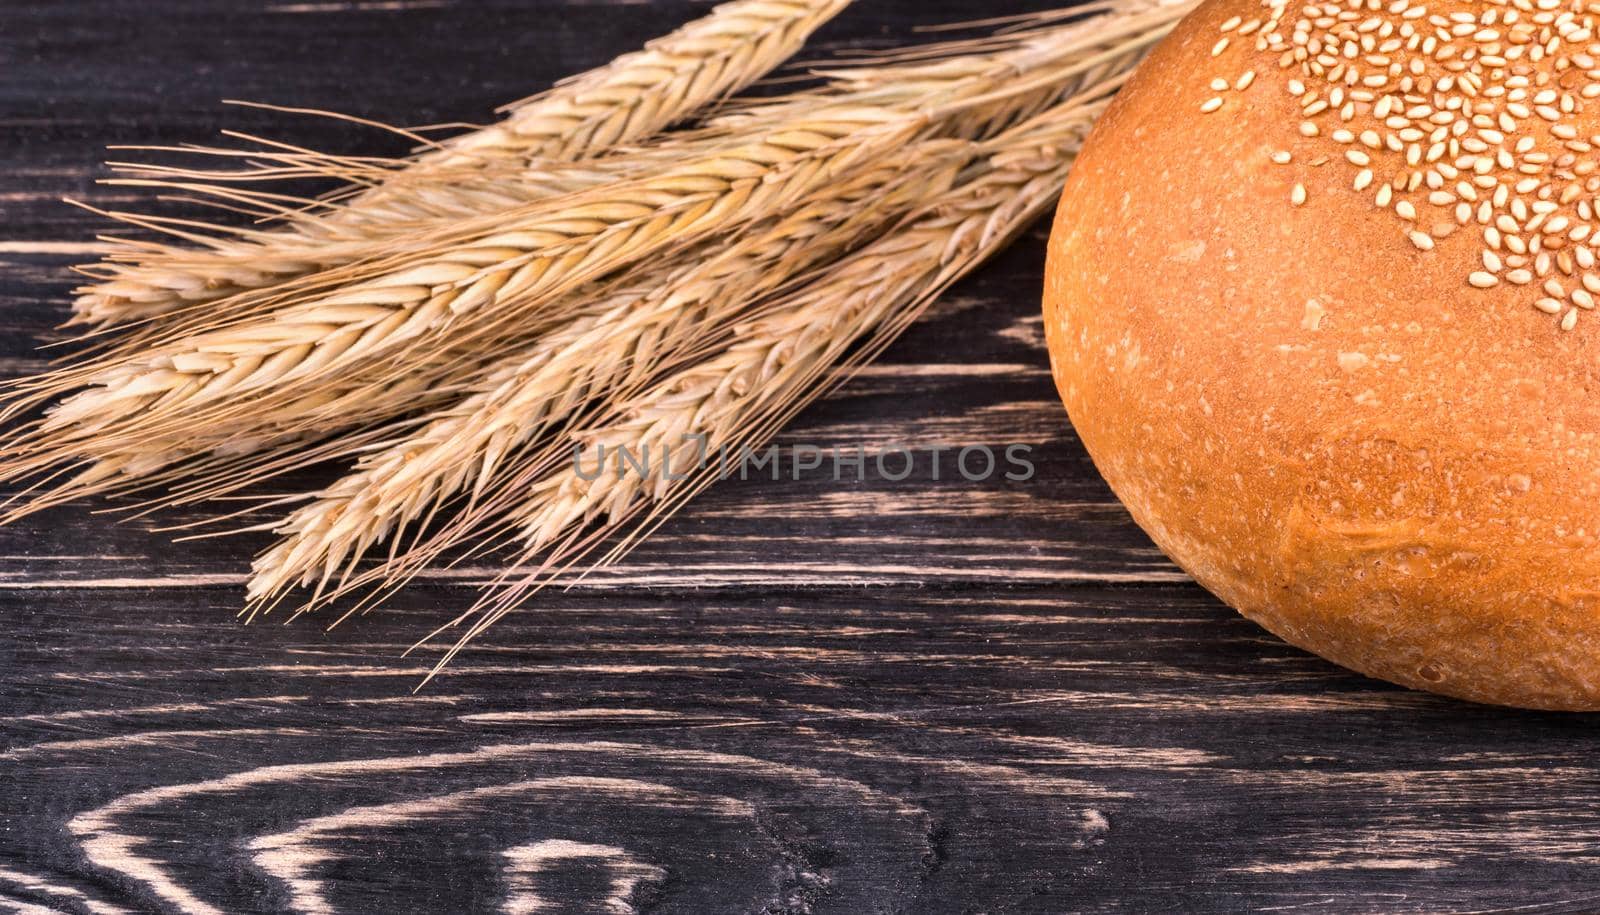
(1319, 303)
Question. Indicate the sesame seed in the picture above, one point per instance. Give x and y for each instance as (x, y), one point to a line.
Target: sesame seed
(1482, 280)
(1297, 195)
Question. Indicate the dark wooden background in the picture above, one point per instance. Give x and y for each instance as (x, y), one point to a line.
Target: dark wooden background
(801, 697)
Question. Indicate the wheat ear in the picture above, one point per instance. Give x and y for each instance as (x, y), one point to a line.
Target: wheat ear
(249, 439)
(225, 456)
(784, 358)
(640, 93)
(629, 99)
(236, 264)
(496, 271)
(780, 362)
(590, 361)
(499, 268)
(142, 283)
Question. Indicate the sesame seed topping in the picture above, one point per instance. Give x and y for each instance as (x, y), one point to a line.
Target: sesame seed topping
(1459, 116)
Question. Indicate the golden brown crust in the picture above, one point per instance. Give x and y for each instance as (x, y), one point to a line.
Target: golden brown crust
(1324, 425)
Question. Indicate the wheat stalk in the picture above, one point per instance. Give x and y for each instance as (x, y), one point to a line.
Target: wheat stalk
(504, 271)
(774, 367)
(140, 284)
(486, 273)
(629, 99)
(252, 440)
(590, 360)
(782, 359)
(638, 94)
(267, 258)
(683, 298)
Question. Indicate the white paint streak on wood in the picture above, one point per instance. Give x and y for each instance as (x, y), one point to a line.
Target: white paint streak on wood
(40, 885)
(574, 714)
(949, 370)
(710, 576)
(120, 742)
(373, 6)
(173, 708)
(356, 671)
(525, 863)
(104, 846)
(293, 856)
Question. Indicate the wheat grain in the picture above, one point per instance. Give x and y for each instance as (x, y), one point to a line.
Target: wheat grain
(255, 438)
(629, 99)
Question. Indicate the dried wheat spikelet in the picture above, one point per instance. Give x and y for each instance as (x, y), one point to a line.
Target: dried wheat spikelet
(138, 284)
(627, 100)
(784, 358)
(245, 445)
(762, 373)
(638, 94)
(489, 271)
(454, 328)
(588, 361)
(249, 263)
(493, 273)
(143, 283)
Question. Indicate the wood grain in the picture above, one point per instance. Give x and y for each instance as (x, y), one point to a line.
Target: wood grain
(802, 696)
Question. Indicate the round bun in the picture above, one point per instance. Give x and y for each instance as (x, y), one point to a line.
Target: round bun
(1318, 302)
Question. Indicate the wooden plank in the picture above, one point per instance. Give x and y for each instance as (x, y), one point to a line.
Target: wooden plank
(803, 695)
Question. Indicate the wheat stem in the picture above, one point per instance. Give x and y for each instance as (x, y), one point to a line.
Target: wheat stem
(589, 361)
(500, 269)
(629, 99)
(781, 359)
(497, 273)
